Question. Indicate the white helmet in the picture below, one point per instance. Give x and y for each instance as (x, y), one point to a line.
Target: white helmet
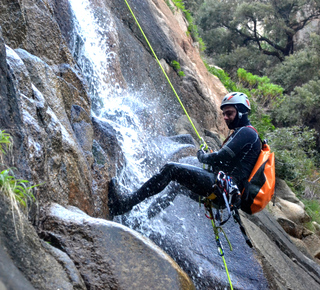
(236, 98)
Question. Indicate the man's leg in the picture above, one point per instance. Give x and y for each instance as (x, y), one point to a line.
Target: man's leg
(194, 178)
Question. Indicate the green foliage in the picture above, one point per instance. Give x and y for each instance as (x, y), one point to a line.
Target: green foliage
(244, 57)
(170, 6)
(266, 26)
(223, 77)
(17, 190)
(179, 4)
(261, 35)
(176, 66)
(5, 141)
(301, 107)
(312, 208)
(260, 120)
(295, 153)
(260, 87)
(193, 5)
(299, 68)
(192, 28)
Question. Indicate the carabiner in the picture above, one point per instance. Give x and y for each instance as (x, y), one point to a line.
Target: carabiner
(220, 248)
(203, 145)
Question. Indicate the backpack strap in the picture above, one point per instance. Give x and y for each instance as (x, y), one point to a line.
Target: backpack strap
(245, 182)
(263, 142)
(250, 126)
(237, 219)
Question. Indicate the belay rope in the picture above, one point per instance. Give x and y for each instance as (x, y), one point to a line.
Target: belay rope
(166, 76)
(203, 146)
(216, 230)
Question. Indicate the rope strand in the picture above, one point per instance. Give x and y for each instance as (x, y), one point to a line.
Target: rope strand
(166, 76)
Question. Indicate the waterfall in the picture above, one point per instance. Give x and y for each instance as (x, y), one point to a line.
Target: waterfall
(111, 102)
(142, 147)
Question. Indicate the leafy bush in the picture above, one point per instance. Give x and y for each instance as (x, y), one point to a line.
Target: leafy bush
(312, 208)
(260, 120)
(5, 142)
(299, 68)
(260, 87)
(192, 28)
(17, 190)
(295, 153)
(223, 77)
(302, 106)
(170, 6)
(244, 57)
(176, 66)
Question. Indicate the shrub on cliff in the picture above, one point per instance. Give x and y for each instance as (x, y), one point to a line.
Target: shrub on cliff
(18, 191)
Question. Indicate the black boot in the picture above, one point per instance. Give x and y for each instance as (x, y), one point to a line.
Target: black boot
(120, 204)
(117, 202)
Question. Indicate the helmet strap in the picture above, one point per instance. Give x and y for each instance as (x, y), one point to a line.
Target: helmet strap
(240, 114)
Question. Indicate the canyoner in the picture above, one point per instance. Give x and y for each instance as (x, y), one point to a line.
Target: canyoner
(240, 175)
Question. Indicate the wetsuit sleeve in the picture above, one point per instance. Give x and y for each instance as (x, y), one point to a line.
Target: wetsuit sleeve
(216, 158)
(231, 149)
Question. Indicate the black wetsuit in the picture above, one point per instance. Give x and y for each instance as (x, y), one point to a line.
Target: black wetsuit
(236, 158)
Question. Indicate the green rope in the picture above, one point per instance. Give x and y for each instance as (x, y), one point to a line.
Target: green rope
(221, 252)
(154, 54)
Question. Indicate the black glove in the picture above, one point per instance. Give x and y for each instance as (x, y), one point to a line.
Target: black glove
(200, 154)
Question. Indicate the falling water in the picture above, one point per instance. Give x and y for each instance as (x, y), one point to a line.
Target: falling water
(110, 101)
(113, 103)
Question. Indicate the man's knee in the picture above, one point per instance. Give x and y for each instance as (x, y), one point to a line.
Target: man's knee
(169, 167)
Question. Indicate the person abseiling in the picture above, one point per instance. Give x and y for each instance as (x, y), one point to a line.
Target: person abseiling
(236, 158)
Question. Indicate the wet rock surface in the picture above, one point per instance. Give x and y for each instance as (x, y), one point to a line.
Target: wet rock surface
(50, 109)
(123, 258)
(26, 262)
(184, 232)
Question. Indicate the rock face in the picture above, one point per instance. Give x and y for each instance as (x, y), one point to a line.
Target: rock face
(178, 228)
(286, 263)
(124, 258)
(66, 140)
(291, 215)
(51, 105)
(26, 261)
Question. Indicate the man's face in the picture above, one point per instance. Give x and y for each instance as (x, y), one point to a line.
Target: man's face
(229, 113)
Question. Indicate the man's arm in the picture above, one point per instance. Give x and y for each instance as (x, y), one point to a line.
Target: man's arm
(216, 158)
(231, 149)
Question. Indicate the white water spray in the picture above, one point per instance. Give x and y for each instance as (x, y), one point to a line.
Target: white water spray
(114, 104)
(119, 108)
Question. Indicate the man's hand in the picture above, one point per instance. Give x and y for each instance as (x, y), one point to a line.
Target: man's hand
(200, 154)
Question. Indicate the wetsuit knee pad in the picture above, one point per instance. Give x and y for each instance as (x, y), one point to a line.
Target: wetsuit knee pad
(168, 168)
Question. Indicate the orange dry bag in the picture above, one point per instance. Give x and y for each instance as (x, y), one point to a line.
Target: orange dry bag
(259, 189)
